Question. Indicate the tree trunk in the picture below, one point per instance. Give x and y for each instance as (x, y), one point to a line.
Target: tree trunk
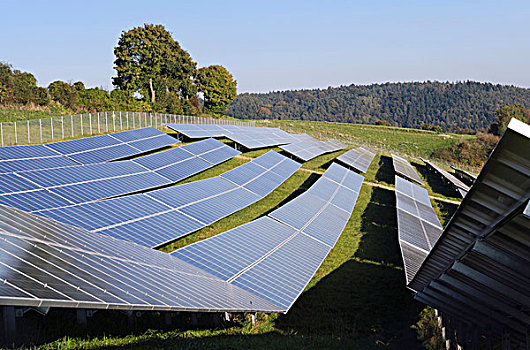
(152, 91)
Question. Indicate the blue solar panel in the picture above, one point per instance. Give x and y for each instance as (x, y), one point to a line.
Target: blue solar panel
(191, 192)
(281, 276)
(136, 134)
(153, 143)
(106, 188)
(161, 159)
(228, 253)
(8, 166)
(184, 169)
(200, 147)
(25, 151)
(83, 144)
(33, 200)
(210, 210)
(220, 155)
(104, 154)
(13, 183)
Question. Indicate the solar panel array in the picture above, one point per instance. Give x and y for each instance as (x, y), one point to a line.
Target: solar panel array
(112, 146)
(418, 225)
(157, 217)
(402, 167)
(310, 148)
(358, 158)
(275, 257)
(59, 187)
(249, 137)
(87, 150)
(458, 185)
(48, 264)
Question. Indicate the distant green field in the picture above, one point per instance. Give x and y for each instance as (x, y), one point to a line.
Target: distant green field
(10, 115)
(411, 142)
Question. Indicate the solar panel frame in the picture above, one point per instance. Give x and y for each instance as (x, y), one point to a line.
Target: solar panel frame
(358, 158)
(403, 168)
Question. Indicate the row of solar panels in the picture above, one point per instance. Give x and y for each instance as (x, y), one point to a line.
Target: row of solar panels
(307, 149)
(156, 217)
(261, 266)
(60, 187)
(358, 158)
(275, 256)
(478, 270)
(248, 137)
(456, 183)
(87, 150)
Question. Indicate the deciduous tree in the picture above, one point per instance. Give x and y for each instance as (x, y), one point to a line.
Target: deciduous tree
(218, 87)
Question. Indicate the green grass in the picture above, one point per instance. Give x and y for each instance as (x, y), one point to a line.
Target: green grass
(412, 142)
(10, 114)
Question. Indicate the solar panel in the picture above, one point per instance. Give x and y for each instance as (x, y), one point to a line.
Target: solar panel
(85, 183)
(143, 218)
(418, 225)
(403, 168)
(450, 178)
(47, 264)
(276, 256)
(358, 158)
(30, 157)
(307, 149)
(113, 146)
(248, 137)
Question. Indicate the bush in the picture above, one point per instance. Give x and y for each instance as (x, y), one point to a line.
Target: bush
(473, 153)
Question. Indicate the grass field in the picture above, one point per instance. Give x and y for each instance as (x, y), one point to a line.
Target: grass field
(356, 300)
(410, 142)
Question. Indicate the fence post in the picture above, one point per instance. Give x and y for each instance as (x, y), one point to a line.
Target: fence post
(2, 133)
(72, 124)
(106, 123)
(29, 138)
(113, 121)
(145, 119)
(16, 139)
(81, 118)
(51, 123)
(40, 129)
(62, 127)
(127, 120)
(99, 129)
(90, 122)
(121, 122)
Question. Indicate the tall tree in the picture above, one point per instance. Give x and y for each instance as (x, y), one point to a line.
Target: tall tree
(218, 87)
(505, 114)
(149, 61)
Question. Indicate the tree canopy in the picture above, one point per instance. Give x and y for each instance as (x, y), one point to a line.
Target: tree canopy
(218, 87)
(506, 113)
(452, 106)
(150, 62)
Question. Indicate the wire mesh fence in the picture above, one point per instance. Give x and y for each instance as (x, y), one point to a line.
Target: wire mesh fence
(87, 124)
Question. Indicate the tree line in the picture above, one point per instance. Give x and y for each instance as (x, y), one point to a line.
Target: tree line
(440, 106)
(154, 74)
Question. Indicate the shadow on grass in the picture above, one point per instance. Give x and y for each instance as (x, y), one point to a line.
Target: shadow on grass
(435, 182)
(364, 302)
(386, 170)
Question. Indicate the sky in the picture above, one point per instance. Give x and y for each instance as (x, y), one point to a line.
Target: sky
(279, 45)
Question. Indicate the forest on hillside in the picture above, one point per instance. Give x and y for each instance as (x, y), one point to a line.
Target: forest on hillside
(452, 106)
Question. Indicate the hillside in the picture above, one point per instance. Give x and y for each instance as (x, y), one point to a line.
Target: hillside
(453, 106)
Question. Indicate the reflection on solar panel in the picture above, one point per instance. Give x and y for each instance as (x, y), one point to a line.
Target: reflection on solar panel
(449, 178)
(86, 183)
(307, 149)
(154, 218)
(358, 158)
(402, 167)
(113, 146)
(47, 264)
(276, 256)
(418, 225)
(30, 157)
(248, 137)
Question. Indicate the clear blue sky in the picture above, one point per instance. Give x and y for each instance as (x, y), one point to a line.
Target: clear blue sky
(278, 45)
